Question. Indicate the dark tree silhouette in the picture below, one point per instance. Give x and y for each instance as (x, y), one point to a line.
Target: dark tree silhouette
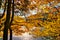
(0, 3)
(7, 22)
(11, 19)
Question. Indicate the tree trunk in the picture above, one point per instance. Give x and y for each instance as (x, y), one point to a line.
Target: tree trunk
(7, 22)
(0, 3)
(12, 19)
(10, 34)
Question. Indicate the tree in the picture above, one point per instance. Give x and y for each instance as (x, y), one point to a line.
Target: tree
(0, 3)
(7, 22)
(11, 20)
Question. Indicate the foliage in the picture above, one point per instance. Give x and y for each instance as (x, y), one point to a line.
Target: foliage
(46, 22)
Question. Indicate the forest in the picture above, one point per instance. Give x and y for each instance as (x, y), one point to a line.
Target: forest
(39, 18)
